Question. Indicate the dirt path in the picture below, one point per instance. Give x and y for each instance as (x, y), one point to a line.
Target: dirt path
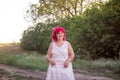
(39, 75)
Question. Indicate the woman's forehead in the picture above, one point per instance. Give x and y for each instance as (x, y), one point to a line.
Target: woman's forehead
(60, 31)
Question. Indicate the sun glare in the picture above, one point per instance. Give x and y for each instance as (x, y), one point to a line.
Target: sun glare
(12, 23)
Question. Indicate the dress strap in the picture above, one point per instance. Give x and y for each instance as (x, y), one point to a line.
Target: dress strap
(53, 44)
(66, 44)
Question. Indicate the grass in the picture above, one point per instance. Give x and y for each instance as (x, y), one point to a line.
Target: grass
(29, 61)
(13, 55)
(100, 67)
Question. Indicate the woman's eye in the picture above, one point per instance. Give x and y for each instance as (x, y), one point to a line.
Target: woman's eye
(60, 33)
(57, 33)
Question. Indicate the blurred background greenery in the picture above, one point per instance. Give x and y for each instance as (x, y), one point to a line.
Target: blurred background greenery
(92, 27)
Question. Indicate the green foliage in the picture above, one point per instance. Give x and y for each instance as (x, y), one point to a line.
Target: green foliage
(38, 62)
(55, 10)
(93, 34)
(37, 38)
(26, 61)
(100, 32)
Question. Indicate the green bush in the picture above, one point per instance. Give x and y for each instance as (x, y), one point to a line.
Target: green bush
(37, 38)
(93, 34)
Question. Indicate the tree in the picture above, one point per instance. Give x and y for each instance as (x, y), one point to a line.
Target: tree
(100, 31)
(54, 10)
(36, 38)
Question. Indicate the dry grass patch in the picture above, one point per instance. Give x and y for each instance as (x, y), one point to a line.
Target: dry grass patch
(10, 49)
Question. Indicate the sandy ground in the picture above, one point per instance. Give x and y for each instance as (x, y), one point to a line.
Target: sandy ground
(39, 75)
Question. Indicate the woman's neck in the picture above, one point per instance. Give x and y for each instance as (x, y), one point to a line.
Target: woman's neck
(60, 41)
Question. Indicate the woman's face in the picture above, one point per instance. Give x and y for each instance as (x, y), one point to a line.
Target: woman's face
(60, 35)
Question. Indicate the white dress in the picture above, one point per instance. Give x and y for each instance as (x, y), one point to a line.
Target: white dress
(58, 72)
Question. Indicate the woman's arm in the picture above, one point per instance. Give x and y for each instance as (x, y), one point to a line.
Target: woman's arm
(49, 54)
(71, 55)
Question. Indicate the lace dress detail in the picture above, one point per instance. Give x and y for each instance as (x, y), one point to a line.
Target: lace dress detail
(58, 72)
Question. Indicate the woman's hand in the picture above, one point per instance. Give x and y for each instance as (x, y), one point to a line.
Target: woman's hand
(66, 64)
(52, 63)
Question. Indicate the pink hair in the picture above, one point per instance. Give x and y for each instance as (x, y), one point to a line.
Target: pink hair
(56, 30)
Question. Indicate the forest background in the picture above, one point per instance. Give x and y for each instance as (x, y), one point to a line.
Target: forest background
(92, 26)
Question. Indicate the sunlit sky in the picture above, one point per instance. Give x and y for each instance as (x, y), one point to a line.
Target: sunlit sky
(12, 23)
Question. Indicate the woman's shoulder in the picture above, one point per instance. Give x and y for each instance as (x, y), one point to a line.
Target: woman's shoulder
(67, 42)
(52, 44)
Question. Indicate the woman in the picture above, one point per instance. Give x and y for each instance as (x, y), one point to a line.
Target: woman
(60, 55)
